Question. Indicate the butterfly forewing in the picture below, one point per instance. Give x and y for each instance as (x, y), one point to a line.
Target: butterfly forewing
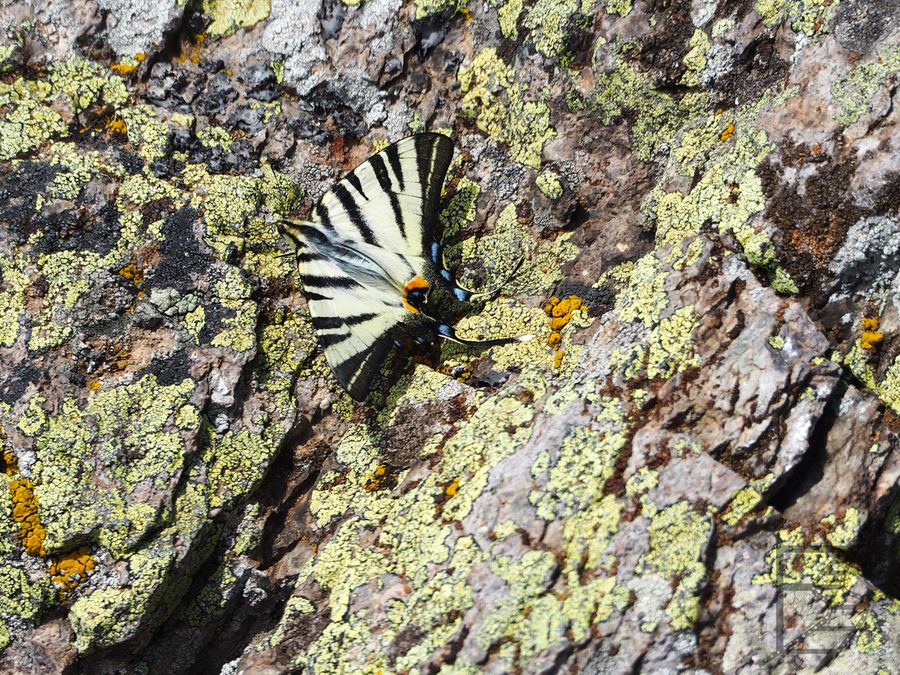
(367, 237)
(391, 200)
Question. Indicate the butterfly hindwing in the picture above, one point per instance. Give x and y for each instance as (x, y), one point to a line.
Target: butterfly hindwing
(367, 237)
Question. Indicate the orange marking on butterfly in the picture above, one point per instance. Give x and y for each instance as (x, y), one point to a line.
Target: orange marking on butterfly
(411, 285)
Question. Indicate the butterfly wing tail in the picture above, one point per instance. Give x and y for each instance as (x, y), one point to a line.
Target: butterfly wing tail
(448, 333)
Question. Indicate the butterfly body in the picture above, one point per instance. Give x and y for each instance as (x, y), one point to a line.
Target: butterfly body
(368, 261)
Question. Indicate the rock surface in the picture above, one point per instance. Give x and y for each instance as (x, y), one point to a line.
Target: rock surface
(693, 467)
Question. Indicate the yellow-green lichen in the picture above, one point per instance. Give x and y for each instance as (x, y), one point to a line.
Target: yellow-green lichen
(669, 346)
(620, 7)
(194, 321)
(887, 388)
(584, 462)
(854, 91)
(229, 16)
(746, 500)
(85, 83)
(549, 183)
(658, 115)
(503, 318)
(534, 618)
(643, 296)
(808, 17)
(461, 208)
(508, 16)
(869, 636)
(721, 27)
(728, 193)
(426, 8)
(549, 21)
(793, 560)
(75, 169)
(139, 461)
(21, 598)
(678, 540)
(501, 251)
(146, 132)
(695, 58)
(14, 278)
(28, 120)
(639, 486)
(411, 535)
(844, 529)
(496, 101)
(216, 138)
(104, 617)
(240, 328)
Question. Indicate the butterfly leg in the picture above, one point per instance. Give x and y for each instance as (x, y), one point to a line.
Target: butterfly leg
(487, 295)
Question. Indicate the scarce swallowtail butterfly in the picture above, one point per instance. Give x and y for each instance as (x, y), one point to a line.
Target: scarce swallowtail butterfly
(369, 263)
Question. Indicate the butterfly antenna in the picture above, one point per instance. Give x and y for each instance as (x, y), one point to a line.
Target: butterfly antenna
(494, 292)
(448, 333)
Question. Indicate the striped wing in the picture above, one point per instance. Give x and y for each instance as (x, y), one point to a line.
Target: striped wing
(391, 200)
(366, 240)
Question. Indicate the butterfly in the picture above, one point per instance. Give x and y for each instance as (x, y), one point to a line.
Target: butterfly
(370, 266)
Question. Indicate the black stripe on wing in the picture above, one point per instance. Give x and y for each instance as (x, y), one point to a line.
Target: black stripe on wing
(353, 179)
(384, 182)
(357, 372)
(354, 212)
(393, 156)
(331, 322)
(433, 155)
(323, 282)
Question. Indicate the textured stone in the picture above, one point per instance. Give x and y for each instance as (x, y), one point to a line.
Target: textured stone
(702, 434)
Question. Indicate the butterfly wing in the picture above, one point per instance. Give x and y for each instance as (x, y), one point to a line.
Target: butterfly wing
(391, 200)
(367, 238)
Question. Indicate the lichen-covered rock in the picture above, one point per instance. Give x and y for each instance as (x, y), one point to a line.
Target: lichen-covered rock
(693, 466)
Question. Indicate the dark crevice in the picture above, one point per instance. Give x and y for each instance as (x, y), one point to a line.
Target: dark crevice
(810, 470)
(877, 551)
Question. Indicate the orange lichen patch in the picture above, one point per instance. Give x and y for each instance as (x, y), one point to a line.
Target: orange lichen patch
(555, 340)
(140, 56)
(119, 356)
(560, 313)
(817, 149)
(451, 488)
(71, 569)
(870, 337)
(557, 359)
(10, 463)
(467, 13)
(25, 513)
(117, 125)
(558, 323)
(93, 384)
(383, 478)
(193, 53)
(123, 68)
(198, 41)
(132, 272)
(727, 133)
